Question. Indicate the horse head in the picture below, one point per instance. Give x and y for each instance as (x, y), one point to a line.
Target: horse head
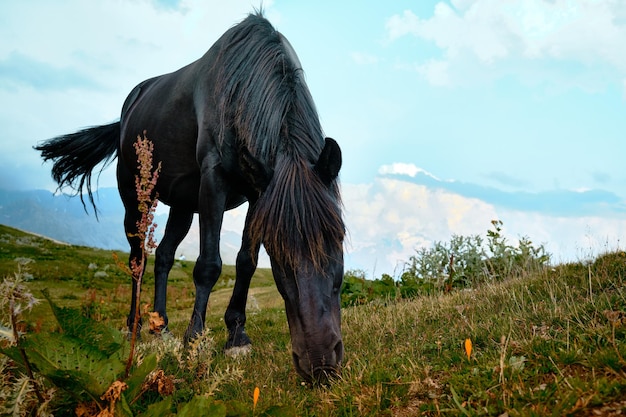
(302, 232)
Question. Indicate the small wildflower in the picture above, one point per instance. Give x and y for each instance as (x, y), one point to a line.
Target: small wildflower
(468, 348)
(255, 397)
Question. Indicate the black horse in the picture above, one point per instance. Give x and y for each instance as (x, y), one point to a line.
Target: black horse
(238, 124)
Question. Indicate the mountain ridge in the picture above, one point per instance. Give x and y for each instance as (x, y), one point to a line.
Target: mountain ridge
(63, 218)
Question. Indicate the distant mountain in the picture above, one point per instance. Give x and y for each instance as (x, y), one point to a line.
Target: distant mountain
(63, 218)
(556, 202)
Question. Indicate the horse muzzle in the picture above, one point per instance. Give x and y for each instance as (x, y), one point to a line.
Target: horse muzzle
(319, 366)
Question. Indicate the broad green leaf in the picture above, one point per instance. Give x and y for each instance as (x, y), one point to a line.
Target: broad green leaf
(94, 333)
(202, 406)
(71, 363)
(122, 409)
(75, 382)
(236, 408)
(279, 411)
(138, 376)
(160, 409)
(15, 355)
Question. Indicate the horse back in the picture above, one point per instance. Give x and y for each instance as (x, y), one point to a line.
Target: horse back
(240, 94)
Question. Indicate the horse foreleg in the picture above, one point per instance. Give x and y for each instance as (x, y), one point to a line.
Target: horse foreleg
(178, 224)
(235, 317)
(208, 267)
(205, 275)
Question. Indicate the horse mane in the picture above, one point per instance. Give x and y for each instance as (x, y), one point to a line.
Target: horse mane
(260, 89)
(265, 101)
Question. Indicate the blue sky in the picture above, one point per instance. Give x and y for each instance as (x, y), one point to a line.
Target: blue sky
(449, 113)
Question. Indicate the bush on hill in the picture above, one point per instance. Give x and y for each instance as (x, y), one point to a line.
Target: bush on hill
(463, 262)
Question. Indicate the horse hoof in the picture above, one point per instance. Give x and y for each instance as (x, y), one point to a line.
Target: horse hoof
(237, 338)
(238, 351)
(163, 332)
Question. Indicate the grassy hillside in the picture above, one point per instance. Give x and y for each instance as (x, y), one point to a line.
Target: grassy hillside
(550, 343)
(78, 276)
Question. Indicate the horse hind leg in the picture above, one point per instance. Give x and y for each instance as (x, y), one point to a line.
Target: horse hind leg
(177, 227)
(130, 225)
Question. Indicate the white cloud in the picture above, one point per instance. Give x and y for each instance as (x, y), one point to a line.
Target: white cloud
(435, 71)
(119, 42)
(519, 37)
(401, 25)
(95, 52)
(568, 239)
(390, 218)
(401, 168)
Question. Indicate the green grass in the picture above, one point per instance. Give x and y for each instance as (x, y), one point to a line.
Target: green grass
(550, 343)
(547, 344)
(74, 277)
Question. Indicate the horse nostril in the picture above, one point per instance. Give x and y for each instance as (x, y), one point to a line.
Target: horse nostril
(338, 350)
(303, 370)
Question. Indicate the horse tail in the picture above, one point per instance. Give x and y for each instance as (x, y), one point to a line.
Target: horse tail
(75, 155)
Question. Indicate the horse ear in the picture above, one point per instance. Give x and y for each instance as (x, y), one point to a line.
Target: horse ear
(253, 170)
(329, 162)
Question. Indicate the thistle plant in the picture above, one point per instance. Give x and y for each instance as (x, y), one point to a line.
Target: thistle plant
(15, 299)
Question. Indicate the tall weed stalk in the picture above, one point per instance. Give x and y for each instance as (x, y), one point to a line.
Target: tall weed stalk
(147, 200)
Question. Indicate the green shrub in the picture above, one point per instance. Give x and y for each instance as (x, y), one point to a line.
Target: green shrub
(463, 262)
(469, 261)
